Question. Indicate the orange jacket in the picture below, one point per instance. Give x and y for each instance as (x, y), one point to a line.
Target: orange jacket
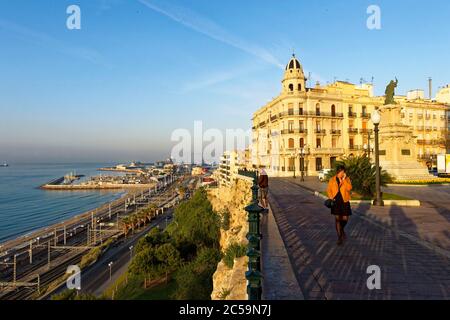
(345, 187)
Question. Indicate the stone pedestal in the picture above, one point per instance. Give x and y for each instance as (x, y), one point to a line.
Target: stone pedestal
(398, 147)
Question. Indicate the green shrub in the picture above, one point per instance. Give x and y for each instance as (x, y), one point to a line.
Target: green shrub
(194, 279)
(362, 174)
(232, 252)
(226, 216)
(72, 295)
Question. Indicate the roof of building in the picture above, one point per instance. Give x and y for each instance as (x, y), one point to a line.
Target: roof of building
(293, 63)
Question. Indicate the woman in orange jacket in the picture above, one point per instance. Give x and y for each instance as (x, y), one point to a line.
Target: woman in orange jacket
(339, 188)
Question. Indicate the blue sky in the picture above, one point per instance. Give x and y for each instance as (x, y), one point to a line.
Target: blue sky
(137, 70)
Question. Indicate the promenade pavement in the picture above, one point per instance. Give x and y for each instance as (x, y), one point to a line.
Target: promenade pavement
(410, 245)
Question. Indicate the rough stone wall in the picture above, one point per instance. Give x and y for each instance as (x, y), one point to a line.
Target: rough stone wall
(230, 284)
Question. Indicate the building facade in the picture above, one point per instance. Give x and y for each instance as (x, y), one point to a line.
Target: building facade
(230, 163)
(305, 130)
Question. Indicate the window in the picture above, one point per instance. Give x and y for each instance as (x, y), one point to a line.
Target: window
(302, 142)
(333, 142)
(299, 87)
(301, 125)
(332, 162)
(364, 125)
(318, 143)
(291, 143)
(351, 143)
(364, 110)
(333, 110)
(318, 126)
(300, 110)
(291, 87)
(318, 109)
(318, 164)
(291, 126)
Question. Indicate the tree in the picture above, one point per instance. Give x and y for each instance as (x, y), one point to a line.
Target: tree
(187, 217)
(362, 173)
(194, 279)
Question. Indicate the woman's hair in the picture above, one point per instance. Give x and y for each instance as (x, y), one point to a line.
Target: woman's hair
(340, 168)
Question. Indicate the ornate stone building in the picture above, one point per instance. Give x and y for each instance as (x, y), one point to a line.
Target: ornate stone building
(307, 129)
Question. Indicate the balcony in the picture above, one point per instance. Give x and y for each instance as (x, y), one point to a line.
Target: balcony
(428, 128)
(328, 151)
(351, 114)
(320, 131)
(335, 132)
(420, 116)
(355, 148)
(352, 130)
(326, 114)
(365, 115)
(273, 118)
(294, 131)
(366, 131)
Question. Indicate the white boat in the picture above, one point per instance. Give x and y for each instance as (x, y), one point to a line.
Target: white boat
(5, 165)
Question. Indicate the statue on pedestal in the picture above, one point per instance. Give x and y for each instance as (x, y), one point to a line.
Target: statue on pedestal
(397, 142)
(390, 92)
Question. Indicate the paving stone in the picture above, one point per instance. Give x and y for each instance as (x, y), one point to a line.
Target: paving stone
(410, 269)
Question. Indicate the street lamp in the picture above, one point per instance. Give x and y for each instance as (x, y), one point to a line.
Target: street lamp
(131, 252)
(376, 119)
(110, 270)
(302, 163)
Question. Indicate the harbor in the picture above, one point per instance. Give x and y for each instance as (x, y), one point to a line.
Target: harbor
(134, 175)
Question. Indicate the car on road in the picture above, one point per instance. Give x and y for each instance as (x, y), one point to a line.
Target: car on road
(323, 173)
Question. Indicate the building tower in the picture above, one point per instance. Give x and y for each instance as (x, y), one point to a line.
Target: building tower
(294, 80)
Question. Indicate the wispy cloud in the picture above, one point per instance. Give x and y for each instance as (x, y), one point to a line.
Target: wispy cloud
(45, 40)
(217, 78)
(205, 26)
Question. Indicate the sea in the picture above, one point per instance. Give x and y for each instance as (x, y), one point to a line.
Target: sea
(25, 208)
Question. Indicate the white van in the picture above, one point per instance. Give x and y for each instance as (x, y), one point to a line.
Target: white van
(323, 173)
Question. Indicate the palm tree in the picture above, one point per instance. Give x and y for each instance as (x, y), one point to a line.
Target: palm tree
(125, 225)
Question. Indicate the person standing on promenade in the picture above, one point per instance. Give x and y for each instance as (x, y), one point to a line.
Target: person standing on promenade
(338, 191)
(263, 183)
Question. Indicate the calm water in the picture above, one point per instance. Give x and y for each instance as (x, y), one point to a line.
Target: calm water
(24, 207)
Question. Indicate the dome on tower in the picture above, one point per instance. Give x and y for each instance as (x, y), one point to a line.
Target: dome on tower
(293, 63)
(294, 80)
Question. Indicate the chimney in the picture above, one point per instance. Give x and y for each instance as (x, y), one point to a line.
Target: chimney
(430, 88)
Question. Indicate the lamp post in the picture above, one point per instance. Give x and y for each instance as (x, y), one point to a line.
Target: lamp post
(376, 119)
(302, 163)
(110, 270)
(294, 155)
(131, 252)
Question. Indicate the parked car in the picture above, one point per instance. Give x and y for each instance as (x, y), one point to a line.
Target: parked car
(323, 173)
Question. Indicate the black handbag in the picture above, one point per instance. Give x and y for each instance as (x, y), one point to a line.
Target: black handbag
(329, 203)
